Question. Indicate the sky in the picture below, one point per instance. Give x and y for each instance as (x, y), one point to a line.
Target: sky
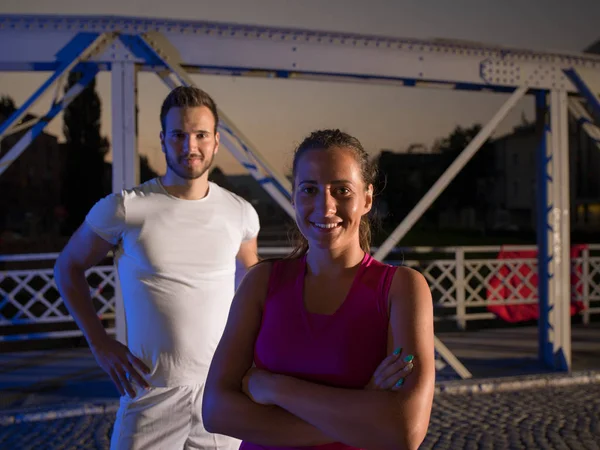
(276, 114)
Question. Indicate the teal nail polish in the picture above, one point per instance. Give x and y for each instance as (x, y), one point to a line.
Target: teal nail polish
(409, 358)
(398, 351)
(400, 382)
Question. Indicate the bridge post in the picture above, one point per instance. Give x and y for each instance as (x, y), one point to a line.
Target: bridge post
(553, 226)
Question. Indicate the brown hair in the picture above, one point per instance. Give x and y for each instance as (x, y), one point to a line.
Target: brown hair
(188, 97)
(327, 140)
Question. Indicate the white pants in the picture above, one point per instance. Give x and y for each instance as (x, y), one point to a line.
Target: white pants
(165, 419)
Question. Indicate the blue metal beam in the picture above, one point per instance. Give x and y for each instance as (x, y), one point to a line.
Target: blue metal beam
(89, 72)
(589, 91)
(67, 58)
(544, 257)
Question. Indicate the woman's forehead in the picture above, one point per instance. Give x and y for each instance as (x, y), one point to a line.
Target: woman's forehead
(339, 162)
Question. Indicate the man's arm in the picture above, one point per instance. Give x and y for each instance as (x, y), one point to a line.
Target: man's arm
(248, 253)
(84, 250)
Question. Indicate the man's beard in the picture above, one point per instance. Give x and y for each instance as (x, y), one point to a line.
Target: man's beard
(189, 174)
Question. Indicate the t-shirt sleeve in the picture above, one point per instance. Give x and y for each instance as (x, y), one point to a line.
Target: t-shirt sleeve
(107, 218)
(251, 222)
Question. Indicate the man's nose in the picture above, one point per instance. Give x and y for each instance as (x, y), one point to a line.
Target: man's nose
(189, 143)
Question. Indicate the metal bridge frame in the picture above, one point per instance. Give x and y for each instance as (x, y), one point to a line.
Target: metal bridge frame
(174, 49)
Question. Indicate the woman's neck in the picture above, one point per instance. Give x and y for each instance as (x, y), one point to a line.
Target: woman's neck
(332, 262)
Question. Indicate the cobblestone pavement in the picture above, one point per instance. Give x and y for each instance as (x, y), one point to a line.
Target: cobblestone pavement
(550, 418)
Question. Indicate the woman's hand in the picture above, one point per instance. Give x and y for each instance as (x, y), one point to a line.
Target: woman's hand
(392, 371)
(258, 385)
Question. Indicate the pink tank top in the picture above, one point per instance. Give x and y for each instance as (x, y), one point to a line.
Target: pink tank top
(342, 349)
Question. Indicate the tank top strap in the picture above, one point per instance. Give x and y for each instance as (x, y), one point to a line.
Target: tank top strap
(381, 276)
(386, 283)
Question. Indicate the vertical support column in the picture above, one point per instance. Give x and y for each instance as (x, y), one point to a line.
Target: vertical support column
(461, 309)
(554, 262)
(125, 165)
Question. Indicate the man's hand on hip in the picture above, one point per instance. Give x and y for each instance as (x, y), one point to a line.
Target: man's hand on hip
(120, 364)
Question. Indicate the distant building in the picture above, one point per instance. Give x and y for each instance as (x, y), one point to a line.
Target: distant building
(497, 188)
(515, 189)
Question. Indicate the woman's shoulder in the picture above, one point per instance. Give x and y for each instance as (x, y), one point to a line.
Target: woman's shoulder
(409, 285)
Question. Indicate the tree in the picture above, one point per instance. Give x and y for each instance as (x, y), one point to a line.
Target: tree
(86, 148)
(7, 108)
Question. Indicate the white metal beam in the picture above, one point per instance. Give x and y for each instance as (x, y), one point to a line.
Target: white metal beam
(126, 162)
(581, 115)
(243, 49)
(451, 172)
(124, 148)
(554, 259)
(265, 182)
(452, 360)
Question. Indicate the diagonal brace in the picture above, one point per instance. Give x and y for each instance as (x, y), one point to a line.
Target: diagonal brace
(82, 47)
(450, 173)
(89, 73)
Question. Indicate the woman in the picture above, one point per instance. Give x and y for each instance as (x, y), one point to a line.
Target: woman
(319, 324)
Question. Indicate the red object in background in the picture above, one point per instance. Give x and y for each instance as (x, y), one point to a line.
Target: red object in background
(521, 283)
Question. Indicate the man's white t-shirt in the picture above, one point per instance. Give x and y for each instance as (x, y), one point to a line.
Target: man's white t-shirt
(176, 264)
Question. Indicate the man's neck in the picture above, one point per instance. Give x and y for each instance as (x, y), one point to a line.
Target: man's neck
(186, 189)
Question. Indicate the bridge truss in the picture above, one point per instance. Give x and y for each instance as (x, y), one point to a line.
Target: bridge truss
(174, 49)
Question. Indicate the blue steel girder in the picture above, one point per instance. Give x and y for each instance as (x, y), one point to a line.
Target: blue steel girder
(588, 84)
(80, 48)
(73, 55)
(89, 71)
(255, 50)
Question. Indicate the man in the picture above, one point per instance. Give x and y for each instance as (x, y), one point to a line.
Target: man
(176, 239)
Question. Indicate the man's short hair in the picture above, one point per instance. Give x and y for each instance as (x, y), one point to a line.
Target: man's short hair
(187, 97)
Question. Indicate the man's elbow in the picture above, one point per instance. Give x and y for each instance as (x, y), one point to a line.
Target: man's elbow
(211, 414)
(210, 422)
(60, 267)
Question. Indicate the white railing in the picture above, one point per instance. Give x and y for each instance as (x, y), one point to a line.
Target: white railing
(464, 281)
